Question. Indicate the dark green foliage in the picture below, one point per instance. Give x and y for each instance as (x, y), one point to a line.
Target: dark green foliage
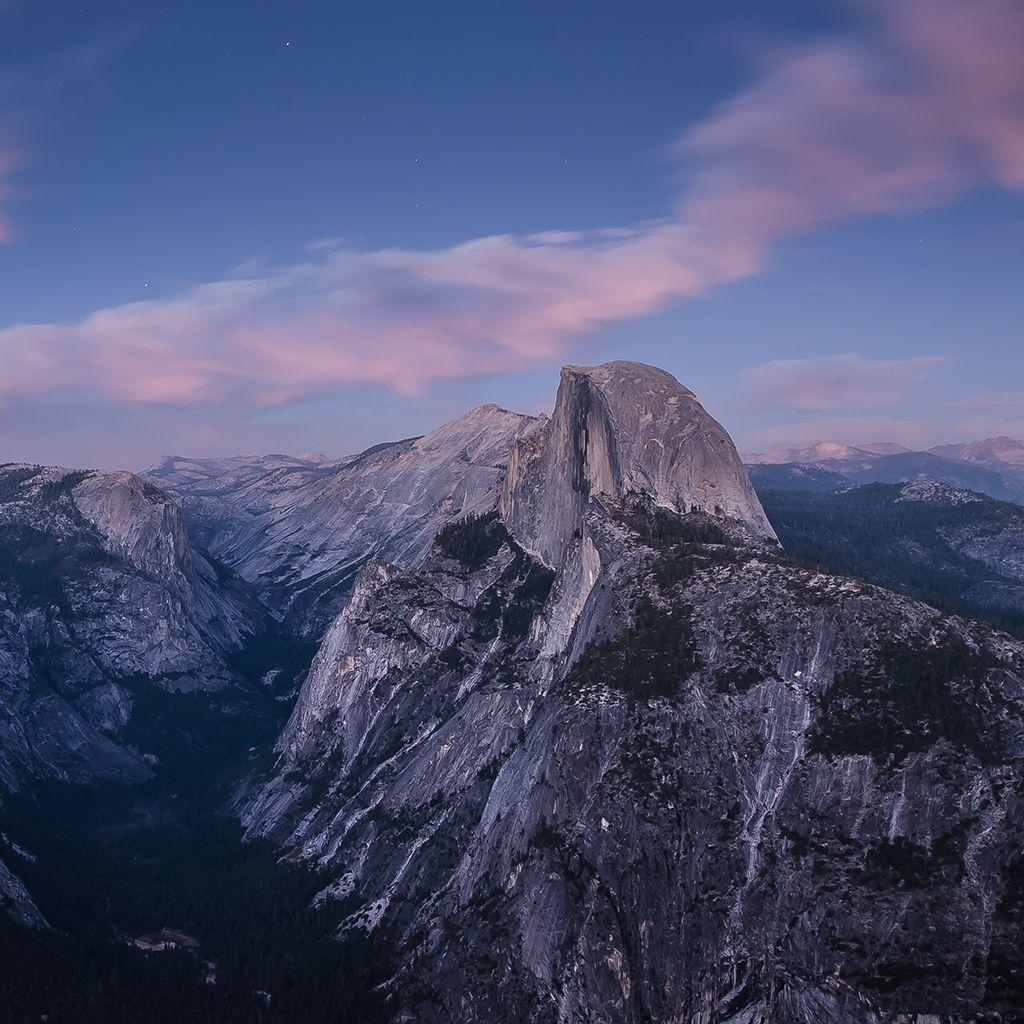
(35, 564)
(740, 680)
(867, 532)
(116, 865)
(900, 863)
(652, 657)
(796, 477)
(116, 861)
(662, 528)
(915, 695)
(474, 540)
(527, 600)
(684, 541)
(1004, 990)
(62, 487)
(12, 478)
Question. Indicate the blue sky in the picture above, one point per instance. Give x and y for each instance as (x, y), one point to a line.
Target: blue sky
(215, 217)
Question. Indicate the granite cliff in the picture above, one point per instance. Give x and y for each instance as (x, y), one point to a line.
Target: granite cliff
(608, 755)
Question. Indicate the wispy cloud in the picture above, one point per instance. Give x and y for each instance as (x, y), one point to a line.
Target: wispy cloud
(1005, 401)
(928, 103)
(835, 383)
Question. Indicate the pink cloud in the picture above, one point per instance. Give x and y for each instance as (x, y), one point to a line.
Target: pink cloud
(836, 382)
(928, 104)
(1011, 401)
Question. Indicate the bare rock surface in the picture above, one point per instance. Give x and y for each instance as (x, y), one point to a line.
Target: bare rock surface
(617, 429)
(101, 588)
(300, 531)
(620, 760)
(15, 901)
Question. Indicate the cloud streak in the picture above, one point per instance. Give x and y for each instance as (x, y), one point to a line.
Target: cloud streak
(836, 382)
(928, 103)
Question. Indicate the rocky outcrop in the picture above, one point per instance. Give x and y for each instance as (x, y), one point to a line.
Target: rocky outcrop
(300, 531)
(101, 592)
(15, 901)
(618, 429)
(627, 763)
(742, 791)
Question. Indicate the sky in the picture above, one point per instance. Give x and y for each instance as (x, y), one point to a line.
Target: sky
(312, 226)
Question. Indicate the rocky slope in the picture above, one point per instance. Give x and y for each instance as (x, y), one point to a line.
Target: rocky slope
(100, 591)
(300, 530)
(608, 756)
(15, 901)
(927, 539)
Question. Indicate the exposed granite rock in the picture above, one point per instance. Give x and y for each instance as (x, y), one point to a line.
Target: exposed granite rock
(300, 531)
(617, 429)
(15, 901)
(757, 793)
(626, 763)
(101, 588)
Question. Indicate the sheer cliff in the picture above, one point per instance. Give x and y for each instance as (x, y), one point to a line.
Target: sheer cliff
(608, 755)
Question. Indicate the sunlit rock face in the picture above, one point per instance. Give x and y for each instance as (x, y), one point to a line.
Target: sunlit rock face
(300, 531)
(101, 591)
(602, 757)
(618, 429)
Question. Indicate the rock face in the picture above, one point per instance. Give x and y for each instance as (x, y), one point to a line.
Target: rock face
(100, 590)
(15, 901)
(300, 531)
(623, 762)
(618, 429)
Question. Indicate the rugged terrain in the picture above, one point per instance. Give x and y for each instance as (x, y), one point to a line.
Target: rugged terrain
(581, 742)
(102, 591)
(608, 755)
(994, 466)
(944, 544)
(299, 530)
(103, 599)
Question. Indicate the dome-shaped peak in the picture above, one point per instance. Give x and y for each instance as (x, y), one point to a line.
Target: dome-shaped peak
(625, 375)
(619, 428)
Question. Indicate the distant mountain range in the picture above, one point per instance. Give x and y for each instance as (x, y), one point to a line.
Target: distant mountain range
(993, 466)
(955, 548)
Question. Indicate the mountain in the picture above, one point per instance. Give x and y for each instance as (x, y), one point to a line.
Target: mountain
(1004, 455)
(821, 451)
(883, 448)
(619, 429)
(606, 753)
(926, 539)
(888, 463)
(299, 531)
(797, 476)
(101, 592)
(994, 452)
(924, 466)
